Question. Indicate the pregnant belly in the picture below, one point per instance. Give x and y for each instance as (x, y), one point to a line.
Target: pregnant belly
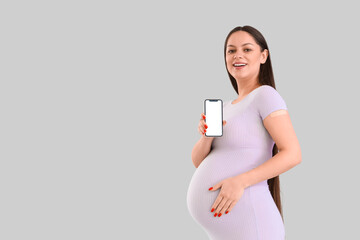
(217, 166)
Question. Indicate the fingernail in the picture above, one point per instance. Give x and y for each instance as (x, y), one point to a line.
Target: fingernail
(204, 130)
(203, 117)
(215, 214)
(210, 188)
(226, 212)
(212, 210)
(219, 214)
(206, 126)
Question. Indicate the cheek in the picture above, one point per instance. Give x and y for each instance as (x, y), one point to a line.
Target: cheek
(229, 64)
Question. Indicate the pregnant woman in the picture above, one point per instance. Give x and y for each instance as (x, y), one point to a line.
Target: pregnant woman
(234, 193)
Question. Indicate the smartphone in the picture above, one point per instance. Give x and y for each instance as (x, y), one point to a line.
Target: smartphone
(213, 110)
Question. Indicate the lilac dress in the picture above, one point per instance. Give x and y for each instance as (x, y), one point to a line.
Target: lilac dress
(245, 144)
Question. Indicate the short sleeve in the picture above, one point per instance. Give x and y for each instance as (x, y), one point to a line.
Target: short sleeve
(268, 101)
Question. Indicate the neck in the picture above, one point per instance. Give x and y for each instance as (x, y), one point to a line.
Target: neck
(246, 88)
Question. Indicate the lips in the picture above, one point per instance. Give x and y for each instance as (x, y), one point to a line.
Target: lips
(239, 64)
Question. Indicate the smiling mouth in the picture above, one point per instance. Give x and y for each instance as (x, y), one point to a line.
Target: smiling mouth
(239, 66)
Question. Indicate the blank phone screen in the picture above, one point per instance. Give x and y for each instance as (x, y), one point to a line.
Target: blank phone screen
(214, 117)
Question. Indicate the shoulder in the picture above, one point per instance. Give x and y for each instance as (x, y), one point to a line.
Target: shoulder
(266, 89)
(268, 100)
(267, 93)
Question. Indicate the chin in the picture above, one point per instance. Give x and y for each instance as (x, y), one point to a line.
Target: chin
(239, 74)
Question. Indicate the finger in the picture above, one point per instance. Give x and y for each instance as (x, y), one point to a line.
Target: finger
(216, 204)
(204, 126)
(224, 122)
(202, 121)
(225, 207)
(221, 207)
(230, 207)
(202, 133)
(200, 130)
(202, 116)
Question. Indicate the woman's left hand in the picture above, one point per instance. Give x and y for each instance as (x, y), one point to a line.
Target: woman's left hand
(231, 191)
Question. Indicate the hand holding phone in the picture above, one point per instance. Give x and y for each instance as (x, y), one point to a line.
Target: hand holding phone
(203, 126)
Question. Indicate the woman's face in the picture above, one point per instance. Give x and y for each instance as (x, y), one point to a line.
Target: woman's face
(242, 48)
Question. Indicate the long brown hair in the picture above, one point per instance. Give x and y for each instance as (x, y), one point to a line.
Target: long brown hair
(266, 77)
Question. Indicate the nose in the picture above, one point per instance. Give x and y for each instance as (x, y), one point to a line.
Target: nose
(235, 56)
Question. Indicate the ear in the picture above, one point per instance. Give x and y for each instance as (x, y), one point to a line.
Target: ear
(264, 56)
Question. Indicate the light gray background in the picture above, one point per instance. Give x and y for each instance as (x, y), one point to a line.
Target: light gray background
(100, 103)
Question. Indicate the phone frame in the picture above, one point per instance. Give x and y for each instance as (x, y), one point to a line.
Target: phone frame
(222, 116)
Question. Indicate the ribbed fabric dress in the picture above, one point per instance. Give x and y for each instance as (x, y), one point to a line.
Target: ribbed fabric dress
(245, 144)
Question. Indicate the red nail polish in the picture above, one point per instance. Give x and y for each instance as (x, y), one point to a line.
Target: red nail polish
(210, 188)
(219, 214)
(204, 130)
(215, 214)
(203, 117)
(212, 210)
(226, 212)
(206, 126)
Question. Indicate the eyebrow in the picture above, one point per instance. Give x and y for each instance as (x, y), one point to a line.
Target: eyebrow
(241, 45)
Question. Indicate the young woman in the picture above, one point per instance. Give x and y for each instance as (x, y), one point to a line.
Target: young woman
(235, 192)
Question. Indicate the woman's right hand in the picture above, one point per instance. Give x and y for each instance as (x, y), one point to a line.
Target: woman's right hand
(202, 125)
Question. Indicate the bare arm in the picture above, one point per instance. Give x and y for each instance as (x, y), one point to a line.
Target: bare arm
(201, 150)
(280, 128)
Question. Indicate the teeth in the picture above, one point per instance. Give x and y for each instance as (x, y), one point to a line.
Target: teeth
(238, 65)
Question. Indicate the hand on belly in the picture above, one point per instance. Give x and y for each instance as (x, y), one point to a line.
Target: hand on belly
(231, 190)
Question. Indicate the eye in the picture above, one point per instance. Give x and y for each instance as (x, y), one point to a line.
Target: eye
(247, 49)
(230, 51)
